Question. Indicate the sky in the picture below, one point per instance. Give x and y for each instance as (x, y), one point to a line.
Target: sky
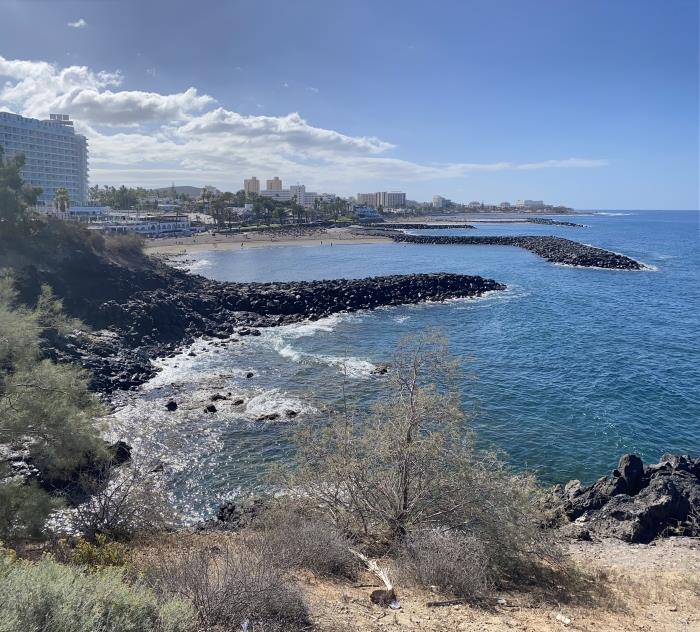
(592, 104)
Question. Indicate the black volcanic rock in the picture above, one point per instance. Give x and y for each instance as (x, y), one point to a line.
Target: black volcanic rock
(635, 503)
(553, 249)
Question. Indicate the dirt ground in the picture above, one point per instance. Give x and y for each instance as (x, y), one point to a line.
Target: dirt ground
(634, 587)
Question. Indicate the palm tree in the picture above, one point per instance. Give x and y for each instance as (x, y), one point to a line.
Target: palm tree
(61, 200)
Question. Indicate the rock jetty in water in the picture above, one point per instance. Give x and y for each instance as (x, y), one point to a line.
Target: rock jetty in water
(416, 226)
(154, 323)
(636, 503)
(553, 249)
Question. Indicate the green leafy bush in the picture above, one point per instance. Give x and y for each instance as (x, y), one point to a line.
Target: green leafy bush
(50, 597)
(100, 553)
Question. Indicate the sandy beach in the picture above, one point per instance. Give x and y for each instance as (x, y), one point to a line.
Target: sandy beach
(209, 241)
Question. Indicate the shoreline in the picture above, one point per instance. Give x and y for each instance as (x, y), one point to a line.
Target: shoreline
(208, 242)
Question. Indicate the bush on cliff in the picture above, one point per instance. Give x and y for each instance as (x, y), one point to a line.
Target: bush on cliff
(45, 408)
(52, 597)
(410, 468)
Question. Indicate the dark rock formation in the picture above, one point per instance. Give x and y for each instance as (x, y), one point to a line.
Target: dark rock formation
(553, 249)
(156, 322)
(551, 222)
(635, 503)
(416, 226)
(236, 514)
(171, 405)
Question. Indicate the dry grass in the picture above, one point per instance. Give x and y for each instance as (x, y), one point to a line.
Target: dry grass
(618, 587)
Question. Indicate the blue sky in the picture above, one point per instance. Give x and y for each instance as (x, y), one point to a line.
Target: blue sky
(592, 104)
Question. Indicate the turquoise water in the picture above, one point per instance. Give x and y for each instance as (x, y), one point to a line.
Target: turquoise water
(565, 371)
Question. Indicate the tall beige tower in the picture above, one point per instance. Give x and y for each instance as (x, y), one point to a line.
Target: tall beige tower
(251, 185)
(275, 184)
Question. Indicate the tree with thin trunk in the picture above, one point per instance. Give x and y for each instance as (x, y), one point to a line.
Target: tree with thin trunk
(61, 200)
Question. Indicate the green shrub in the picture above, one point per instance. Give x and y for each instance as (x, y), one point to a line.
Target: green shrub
(100, 553)
(46, 596)
(24, 508)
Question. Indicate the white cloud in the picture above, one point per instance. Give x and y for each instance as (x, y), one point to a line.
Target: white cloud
(187, 137)
(79, 24)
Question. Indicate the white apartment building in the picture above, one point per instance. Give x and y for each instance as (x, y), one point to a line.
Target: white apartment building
(391, 199)
(146, 225)
(275, 184)
(55, 155)
(440, 202)
(283, 195)
(386, 199)
(530, 204)
(303, 197)
(251, 185)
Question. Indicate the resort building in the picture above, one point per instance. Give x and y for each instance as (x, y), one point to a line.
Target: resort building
(366, 214)
(251, 185)
(146, 225)
(275, 184)
(56, 157)
(367, 199)
(283, 195)
(390, 199)
(530, 204)
(440, 202)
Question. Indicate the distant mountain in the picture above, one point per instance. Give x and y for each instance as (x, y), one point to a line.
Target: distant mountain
(187, 190)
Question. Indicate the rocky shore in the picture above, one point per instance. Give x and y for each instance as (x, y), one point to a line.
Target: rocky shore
(636, 503)
(553, 249)
(417, 226)
(552, 222)
(155, 322)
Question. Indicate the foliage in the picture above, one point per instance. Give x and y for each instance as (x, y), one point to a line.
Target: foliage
(456, 563)
(411, 467)
(100, 553)
(44, 407)
(15, 195)
(231, 583)
(302, 539)
(61, 199)
(24, 507)
(52, 597)
(128, 245)
(123, 501)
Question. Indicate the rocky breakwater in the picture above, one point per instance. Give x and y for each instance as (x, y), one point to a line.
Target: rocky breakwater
(636, 503)
(553, 249)
(416, 226)
(154, 323)
(552, 222)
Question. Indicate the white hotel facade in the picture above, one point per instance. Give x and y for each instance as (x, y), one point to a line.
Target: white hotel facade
(55, 155)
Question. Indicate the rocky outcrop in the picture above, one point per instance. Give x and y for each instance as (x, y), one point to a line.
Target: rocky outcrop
(553, 249)
(154, 323)
(635, 503)
(416, 226)
(551, 222)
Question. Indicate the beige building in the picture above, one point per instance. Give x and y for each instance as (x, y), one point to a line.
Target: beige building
(367, 199)
(251, 185)
(391, 199)
(275, 184)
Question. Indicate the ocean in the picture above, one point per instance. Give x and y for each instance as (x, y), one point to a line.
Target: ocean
(564, 371)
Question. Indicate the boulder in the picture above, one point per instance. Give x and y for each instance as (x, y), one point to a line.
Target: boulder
(210, 408)
(635, 503)
(171, 405)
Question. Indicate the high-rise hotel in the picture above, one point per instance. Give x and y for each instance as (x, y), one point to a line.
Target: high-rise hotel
(55, 155)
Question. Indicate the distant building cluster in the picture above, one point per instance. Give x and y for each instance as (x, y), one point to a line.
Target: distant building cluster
(385, 199)
(296, 193)
(56, 159)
